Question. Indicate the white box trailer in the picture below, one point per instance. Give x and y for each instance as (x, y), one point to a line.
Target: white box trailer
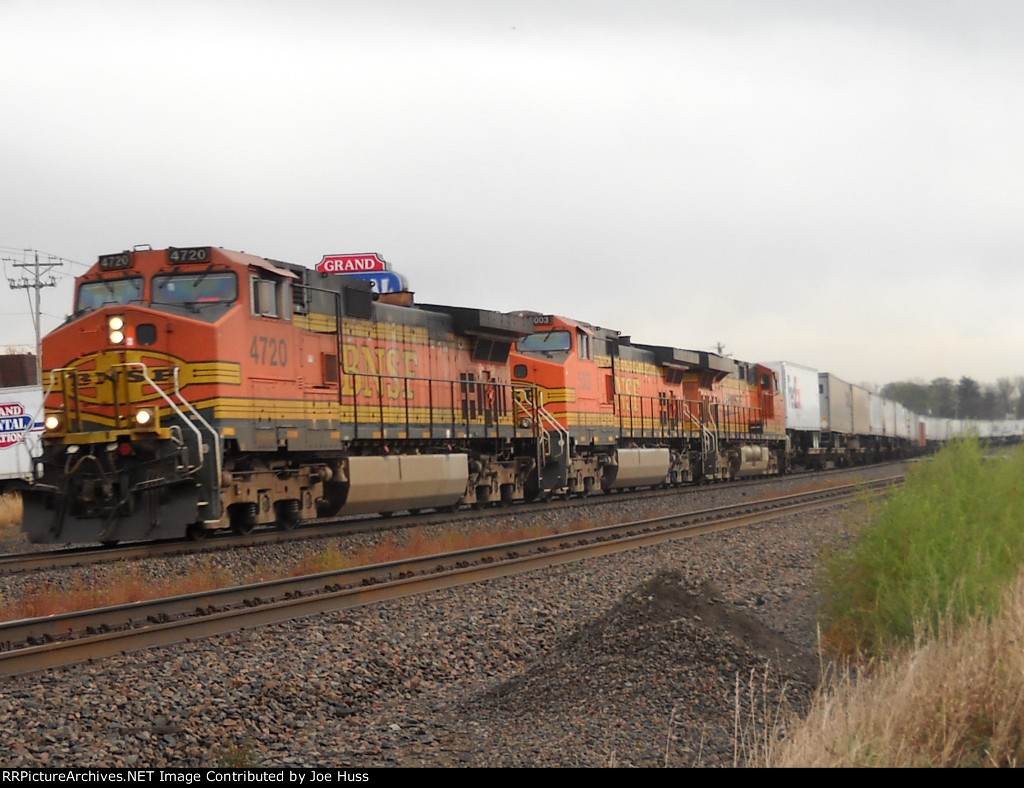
(836, 404)
(903, 428)
(799, 386)
(889, 416)
(861, 399)
(21, 429)
(877, 414)
(1010, 428)
(936, 429)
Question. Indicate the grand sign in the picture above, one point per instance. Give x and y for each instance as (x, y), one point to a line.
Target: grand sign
(370, 262)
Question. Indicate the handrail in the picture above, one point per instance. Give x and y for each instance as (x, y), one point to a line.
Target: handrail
(170, 403)
(460, 400)
(218, 454)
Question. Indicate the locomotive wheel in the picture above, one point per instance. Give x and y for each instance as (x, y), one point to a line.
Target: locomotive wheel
(483, 497)
(289, 513)
(196, 532)
(243, 518)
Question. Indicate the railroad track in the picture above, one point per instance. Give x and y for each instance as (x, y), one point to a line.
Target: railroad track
(13, 563)
(33, 645)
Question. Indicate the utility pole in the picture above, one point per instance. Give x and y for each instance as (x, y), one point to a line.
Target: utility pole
(35, 282)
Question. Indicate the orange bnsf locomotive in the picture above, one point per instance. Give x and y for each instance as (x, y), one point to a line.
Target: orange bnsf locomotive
(198, 389)
(620, 414)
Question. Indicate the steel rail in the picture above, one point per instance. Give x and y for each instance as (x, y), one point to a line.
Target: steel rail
(13, 563)
(142, 625)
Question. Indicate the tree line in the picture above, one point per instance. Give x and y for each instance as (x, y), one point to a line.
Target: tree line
(966, 399)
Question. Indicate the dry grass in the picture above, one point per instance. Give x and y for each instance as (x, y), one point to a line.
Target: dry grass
(10, 510)
(955, 701)
(131, 584)
(761, 717)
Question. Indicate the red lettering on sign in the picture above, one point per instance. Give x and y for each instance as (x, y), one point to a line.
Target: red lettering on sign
(351, 263)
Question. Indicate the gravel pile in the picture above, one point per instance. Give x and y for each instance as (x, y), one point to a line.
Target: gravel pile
(638, 660)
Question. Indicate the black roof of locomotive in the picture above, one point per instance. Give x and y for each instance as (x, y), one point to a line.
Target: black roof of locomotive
(483, 322)
(690, 359)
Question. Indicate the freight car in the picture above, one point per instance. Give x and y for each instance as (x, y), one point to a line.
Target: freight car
(831, 423)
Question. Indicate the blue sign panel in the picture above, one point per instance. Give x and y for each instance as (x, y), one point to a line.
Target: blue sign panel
(382, 281)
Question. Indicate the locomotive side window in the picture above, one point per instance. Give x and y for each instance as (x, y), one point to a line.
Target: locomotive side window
(583, 345)
(93, 295)
(268, 295)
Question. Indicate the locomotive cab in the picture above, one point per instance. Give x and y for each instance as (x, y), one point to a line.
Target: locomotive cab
(569, 364)
(123, 439)
(615, 413)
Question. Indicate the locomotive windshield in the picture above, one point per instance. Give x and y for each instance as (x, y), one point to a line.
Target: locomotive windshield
(93, 295)
(545, 341)
(201, 288)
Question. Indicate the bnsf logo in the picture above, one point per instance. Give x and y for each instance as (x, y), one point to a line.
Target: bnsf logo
(156, 374)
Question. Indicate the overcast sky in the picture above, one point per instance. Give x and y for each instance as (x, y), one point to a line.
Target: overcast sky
(837, 183)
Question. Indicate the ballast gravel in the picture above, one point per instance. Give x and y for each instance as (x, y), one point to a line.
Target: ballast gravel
(667, 656)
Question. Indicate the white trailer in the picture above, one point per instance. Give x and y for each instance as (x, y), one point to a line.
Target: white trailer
(21, 428)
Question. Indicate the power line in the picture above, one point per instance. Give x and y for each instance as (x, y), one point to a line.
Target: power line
(37, 280)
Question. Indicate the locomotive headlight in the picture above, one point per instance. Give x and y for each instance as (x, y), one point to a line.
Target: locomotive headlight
(116, 326)
(144, 417)
(52, 423)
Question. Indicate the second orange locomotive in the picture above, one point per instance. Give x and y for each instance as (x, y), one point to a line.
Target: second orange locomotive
(621, 414)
